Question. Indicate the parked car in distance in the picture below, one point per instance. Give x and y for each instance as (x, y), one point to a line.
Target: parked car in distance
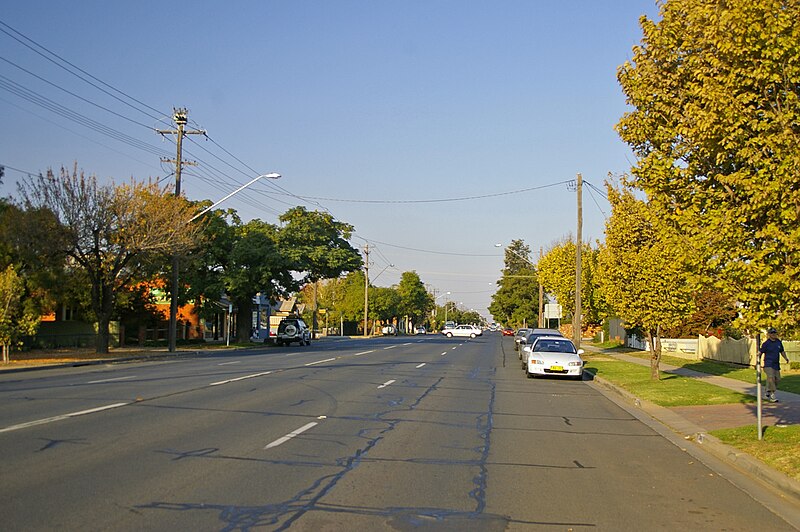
(389, 330)
(508, 331)
(421, 330)
(533, 334)
(293, 330)
(553, 355)
(521, 333)
(463, 331)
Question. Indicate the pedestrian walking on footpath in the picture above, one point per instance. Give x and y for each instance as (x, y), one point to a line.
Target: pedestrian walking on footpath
(772, 350)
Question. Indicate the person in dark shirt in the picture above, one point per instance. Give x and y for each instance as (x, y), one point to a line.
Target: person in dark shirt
(772, 350)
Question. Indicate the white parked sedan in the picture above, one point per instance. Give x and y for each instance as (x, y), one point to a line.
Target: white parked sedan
(553, 355)
(464, 331)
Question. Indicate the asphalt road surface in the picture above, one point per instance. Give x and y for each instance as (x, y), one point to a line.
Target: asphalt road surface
(405, 433)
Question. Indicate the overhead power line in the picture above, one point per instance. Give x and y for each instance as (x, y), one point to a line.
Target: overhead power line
(441, 200)
(36, 48)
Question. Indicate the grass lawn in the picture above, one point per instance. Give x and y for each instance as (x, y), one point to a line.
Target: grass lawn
(790, 378)
(779, 448)
(671, 390)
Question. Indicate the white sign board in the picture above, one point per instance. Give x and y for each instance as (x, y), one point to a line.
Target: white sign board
(552, 311)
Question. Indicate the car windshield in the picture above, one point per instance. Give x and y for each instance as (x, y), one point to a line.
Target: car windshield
(554, 346)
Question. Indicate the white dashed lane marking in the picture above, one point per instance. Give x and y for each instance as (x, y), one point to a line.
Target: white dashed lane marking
(294, 433)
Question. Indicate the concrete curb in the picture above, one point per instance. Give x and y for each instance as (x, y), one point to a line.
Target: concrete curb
(787, 486)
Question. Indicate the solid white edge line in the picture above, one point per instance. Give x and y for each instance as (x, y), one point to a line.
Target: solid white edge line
(291, 435)
(421, 365)
(387, 383)
(320, 361)
(63, 416)
(240, 378)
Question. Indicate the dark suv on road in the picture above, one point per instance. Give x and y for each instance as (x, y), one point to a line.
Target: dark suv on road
(293, 330)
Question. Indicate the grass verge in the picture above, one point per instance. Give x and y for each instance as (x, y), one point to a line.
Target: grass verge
(779, 448)
(790, 378)
(671, 390)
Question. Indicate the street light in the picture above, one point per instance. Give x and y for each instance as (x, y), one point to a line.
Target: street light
(268, 176)
(173, 304)
(445, 308)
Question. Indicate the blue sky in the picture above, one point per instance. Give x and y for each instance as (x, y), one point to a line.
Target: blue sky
(369, 109)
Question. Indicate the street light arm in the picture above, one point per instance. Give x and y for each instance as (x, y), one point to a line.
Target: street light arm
(268, 176)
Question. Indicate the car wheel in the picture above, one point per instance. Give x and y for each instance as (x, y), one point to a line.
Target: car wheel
(472, 335)
(449, 335)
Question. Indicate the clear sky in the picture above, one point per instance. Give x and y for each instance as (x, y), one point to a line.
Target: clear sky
(386, 114)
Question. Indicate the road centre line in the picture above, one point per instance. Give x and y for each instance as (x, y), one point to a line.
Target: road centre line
(390, 347)
(229, 363)
(284, 439)
(364, 353)
(63, 416)
(443, 354)
(453, 347)
(112, 380)
(387, 383)
(407, 343)
(320, 361)
(419, 366)
(241, 378)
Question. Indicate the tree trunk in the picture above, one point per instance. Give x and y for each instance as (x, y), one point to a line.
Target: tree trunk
(103, 303)
(654, 337)
(6, 353)
(244, 319)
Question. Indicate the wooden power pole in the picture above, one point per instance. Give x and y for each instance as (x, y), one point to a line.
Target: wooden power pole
(180, 116)
(366, 287)
(576, 319)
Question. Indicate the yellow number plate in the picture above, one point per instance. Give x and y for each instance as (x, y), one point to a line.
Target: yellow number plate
(556, 368)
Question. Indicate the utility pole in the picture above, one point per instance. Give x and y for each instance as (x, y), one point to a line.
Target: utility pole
(541, 291)
(576, 319)
(366, 287)
(180, 116)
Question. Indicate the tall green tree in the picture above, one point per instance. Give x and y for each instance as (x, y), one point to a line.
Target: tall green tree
(516, 301)
(642, 274)
(317, 246)
(714, 88)
(255, 265)
(384, 303)
(415, 302)
(110, 232)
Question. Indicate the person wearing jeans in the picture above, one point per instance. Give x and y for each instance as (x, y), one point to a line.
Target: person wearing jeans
(772, 350)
